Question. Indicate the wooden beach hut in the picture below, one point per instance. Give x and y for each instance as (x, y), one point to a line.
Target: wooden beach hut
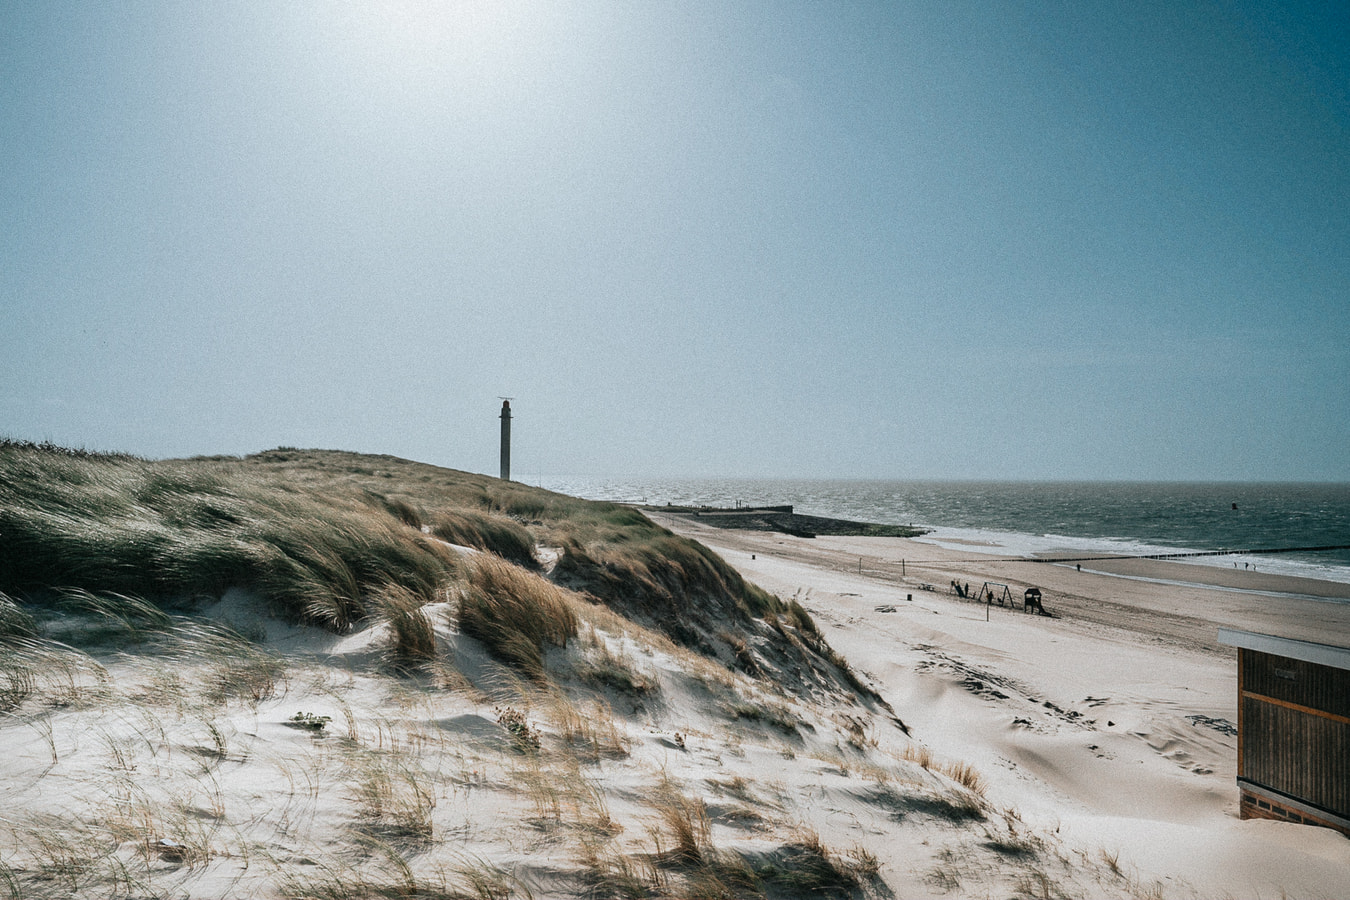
(1293, 729)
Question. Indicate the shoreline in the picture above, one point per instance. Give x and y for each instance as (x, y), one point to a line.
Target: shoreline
(1306, 608)
(1249, 581)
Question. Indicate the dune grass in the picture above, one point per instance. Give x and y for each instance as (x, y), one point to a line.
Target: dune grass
(178, 530)
(515, 613)
(684, 823)
(339, 540)
(316, 532)
(486, 531)
(15, 621)
(414, 633)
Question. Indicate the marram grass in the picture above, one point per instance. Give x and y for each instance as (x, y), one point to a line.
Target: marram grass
(516, 614)
(176, 531)
(336, 539)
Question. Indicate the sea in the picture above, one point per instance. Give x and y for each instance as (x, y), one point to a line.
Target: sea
(1033, 518)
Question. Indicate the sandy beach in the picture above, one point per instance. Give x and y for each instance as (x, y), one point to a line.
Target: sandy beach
(1112, 722)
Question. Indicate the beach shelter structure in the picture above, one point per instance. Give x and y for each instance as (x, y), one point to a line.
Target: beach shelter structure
(1293, 729)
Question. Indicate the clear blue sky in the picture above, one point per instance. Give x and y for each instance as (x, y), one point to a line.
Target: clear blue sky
(904, 240)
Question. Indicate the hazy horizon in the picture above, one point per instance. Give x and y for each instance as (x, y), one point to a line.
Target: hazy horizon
(913, 241)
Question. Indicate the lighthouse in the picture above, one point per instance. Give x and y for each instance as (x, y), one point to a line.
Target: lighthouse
(506, 439)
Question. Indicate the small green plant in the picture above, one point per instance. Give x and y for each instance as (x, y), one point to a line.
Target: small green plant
(309, 721)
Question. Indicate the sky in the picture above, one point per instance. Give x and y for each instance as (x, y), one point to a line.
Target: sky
(909, 240)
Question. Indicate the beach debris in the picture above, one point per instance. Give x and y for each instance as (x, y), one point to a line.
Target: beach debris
(675, 743)
(1223, 726)
(885, 609)
(308, 721)
(170, 850)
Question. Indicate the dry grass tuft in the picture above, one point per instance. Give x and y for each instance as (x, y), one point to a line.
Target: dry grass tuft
(385, 873)
(601, 668)
(608, 874)
(48, 674)
(965, 775)
(805, 867)
(1013, 838)
(235, 667)
(591, 735)
(918, 754)
(863, 863)
(737, 787)
(686, 825)
(773, 713)
(394, 800)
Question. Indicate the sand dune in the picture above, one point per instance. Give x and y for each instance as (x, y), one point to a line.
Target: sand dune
(1086, 755)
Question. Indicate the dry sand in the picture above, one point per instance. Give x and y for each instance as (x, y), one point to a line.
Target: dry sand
(1111, 723)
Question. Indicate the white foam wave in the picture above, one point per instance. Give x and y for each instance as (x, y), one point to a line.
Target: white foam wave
(1003, 543)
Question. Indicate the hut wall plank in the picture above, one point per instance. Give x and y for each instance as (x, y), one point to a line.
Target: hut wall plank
(1298, 754)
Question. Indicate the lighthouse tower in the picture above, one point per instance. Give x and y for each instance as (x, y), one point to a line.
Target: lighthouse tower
(506, 439)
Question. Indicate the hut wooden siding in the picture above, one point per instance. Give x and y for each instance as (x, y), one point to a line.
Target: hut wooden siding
(1293, 729)
(1293, 754)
